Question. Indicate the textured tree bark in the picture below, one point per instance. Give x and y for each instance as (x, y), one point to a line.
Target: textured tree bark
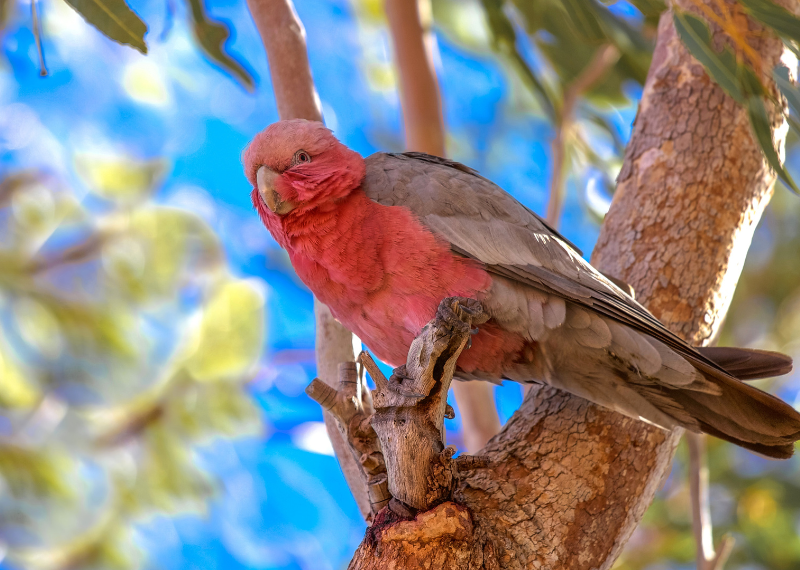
(568, 481)
(414, 52)
(285, 44)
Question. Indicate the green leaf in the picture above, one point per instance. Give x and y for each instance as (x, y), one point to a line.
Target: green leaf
(114, 19)
(781, 76)
(505, 41)
(212, 36)
(584, 19)
(779, 19)
(721, 67)
(762, 129)
(649, 8)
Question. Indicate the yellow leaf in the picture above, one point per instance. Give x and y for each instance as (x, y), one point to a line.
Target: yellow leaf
(230, 334)
(38, 327)
(15, 391)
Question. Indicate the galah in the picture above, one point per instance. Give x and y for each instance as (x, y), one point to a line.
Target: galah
(382, 240)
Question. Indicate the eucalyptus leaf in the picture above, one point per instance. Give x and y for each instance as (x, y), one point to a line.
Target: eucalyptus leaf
(212, 36)
(721, 67)
(505, 41)
(787, 87)
(762, 129)
(114, 19)
(150, 260)
(584, 19)
(16, 390)
(776, 17)
(650, 8)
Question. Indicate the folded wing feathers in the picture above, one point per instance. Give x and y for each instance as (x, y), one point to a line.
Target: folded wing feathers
(659, 376)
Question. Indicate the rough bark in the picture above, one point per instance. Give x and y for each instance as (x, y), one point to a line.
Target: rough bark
(285, 44)
(414, 53)
(568, 481)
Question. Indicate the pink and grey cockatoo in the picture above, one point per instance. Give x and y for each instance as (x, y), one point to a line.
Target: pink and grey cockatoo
(382, 240)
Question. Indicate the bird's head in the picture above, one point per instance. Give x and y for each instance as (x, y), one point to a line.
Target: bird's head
(298, 165)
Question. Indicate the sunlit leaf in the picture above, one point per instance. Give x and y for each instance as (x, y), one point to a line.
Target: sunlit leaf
(167, 478)
(31, 473)
(38, 326)
(121, 179)
(722, 67)
(210, 409)
(15, 390)
(115, 20)
(762, 129)
(650, 8)
(230, 333)
(91, 329)
(212, 36)
(150, 259)
(34, 207)
(107, 545)
(776, 17)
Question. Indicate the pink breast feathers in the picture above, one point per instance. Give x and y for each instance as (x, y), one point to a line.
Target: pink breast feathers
(383, 274)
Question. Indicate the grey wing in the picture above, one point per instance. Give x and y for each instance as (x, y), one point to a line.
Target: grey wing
(596, 340)
(482, 221)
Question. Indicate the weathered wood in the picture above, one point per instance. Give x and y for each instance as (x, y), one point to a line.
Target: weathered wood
(351, 405)
(410, 407)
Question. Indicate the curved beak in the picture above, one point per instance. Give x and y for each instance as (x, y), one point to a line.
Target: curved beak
(266, 179)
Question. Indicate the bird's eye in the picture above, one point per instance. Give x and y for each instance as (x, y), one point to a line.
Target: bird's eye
(301, 157)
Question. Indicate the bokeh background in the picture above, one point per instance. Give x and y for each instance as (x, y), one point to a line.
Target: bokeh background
(155, 342)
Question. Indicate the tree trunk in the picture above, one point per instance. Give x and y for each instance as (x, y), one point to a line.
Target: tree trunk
(568, 481)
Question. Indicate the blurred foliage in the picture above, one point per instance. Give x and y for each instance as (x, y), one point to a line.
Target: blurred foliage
(118, 22)
(124, 343)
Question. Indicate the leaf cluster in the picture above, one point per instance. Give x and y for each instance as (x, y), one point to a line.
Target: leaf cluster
(124, 344)
(118, 22)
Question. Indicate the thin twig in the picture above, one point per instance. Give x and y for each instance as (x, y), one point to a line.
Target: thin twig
(37, 36)
(415, 52)
(707, 559)
(73, 254)
(605, 56)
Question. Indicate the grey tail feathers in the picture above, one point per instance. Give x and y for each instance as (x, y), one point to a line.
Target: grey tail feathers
(743, 414)
(748, 363)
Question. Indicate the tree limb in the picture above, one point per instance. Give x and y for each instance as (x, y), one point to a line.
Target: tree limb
(707, 559)
(284, 41)
(414, 50)
(602, 60)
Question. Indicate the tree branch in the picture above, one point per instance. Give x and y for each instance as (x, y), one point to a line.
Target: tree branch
(351, 405)
(284, 41)
(414, 50)
(605, 57)
(707, 559)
